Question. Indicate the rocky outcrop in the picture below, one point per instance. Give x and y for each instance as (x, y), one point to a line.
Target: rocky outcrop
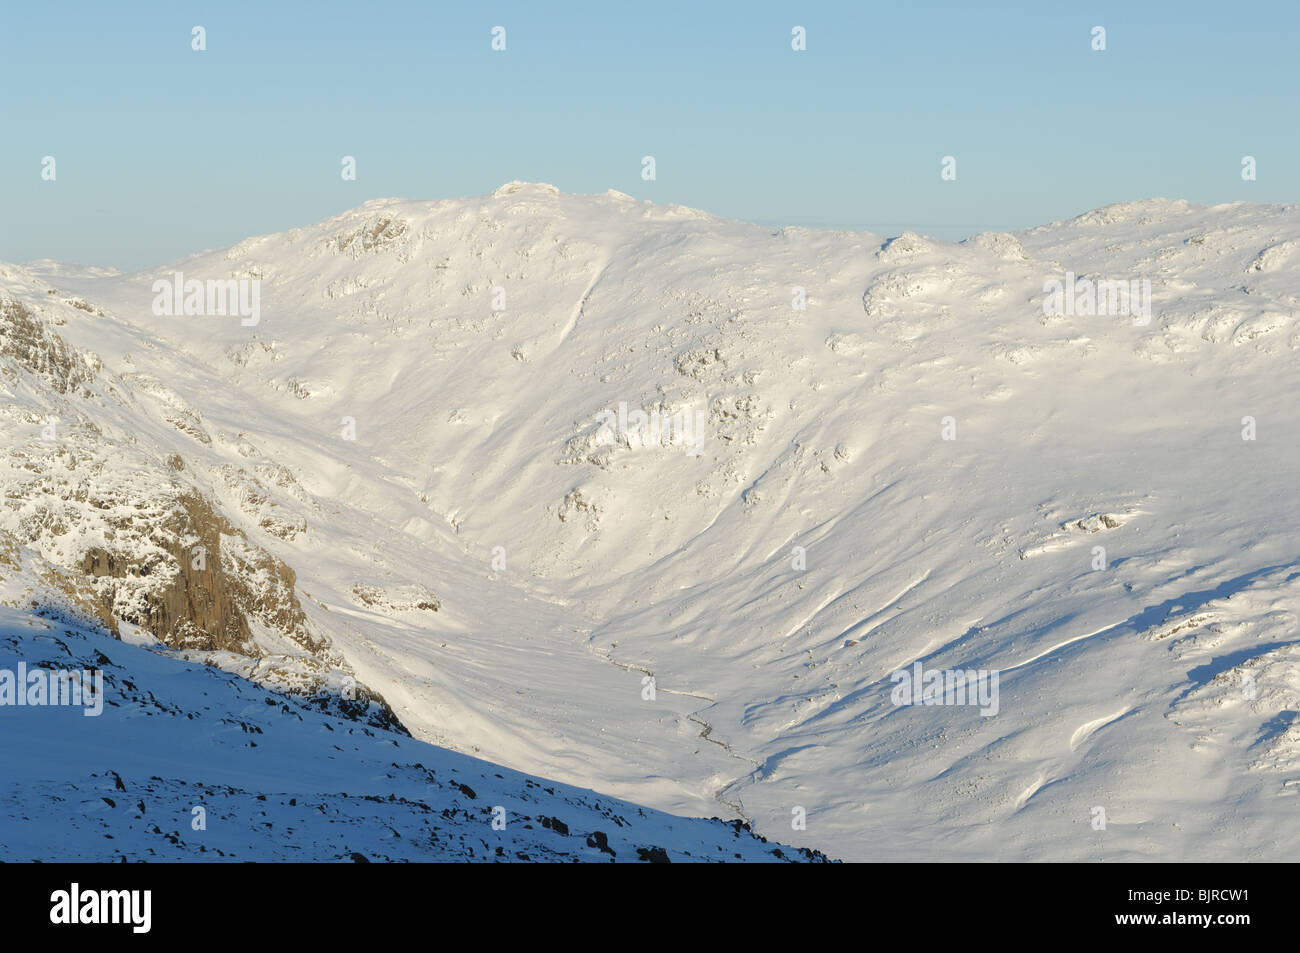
(211, 584)
(35, 348)
(56, 588)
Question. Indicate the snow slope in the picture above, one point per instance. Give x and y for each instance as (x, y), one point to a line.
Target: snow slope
(186, 762)
(476, 428)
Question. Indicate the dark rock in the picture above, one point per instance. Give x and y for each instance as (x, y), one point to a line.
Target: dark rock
(600, 841)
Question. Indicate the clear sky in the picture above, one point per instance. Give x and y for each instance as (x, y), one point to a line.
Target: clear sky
(161, 151)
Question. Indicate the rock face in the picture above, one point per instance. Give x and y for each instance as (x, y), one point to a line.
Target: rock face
(193, 604)
(55, 587)
(26, 339)
(139, 531)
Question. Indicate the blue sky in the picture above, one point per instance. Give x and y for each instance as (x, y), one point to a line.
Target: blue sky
(162, 151)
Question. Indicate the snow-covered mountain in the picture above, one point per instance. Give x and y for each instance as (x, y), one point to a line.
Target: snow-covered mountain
(656, 504)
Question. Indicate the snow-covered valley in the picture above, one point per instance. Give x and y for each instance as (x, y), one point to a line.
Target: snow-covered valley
(411, 491)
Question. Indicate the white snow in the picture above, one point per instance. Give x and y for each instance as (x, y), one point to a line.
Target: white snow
(476, 428)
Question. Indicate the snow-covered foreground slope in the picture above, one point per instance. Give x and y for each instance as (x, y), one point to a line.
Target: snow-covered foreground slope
(408, 471)
(185, 762)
